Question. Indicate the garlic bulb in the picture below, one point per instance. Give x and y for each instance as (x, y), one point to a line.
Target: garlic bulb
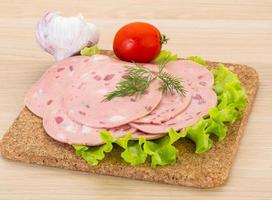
(65, 36)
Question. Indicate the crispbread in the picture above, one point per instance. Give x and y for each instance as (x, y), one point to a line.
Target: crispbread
(27, 141)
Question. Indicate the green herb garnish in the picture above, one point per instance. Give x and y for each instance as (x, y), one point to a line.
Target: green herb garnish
(170, 83)
(138, 79)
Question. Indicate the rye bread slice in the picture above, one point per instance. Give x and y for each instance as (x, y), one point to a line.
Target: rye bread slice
(27, 141)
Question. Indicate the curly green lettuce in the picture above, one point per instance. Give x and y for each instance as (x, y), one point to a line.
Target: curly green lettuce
(197, 59)
(199, 135)
(162, 151)
(165, 56)
(232, 100)
(90, 51)
(95, 154)
(133, 150)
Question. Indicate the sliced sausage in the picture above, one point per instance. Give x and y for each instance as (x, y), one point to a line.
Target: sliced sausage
(60, 127)
(42, 95)
(202, 100)
(84, 98)
(192, 73)
(171, 105)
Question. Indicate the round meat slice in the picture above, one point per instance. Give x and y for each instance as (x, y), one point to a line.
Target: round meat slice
(194, 74)
(84, 98)
(191, 73)
(42, 94)
(136, 135)
(202, 100)
(171, 105)
(60, 127)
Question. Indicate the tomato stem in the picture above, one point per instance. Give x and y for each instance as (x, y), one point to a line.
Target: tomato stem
(164, 39)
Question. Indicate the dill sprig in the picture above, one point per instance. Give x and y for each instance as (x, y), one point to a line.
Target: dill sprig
(138, 79)
(169, 83)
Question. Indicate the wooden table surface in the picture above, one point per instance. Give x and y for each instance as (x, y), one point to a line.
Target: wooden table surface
(237, 31)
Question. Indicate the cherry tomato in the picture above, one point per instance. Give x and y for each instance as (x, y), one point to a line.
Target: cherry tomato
(138, 42)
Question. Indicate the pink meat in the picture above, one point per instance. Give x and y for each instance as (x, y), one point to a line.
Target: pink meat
(200, 81)
(136, 135)
(60, 127)
(84, 97)
(202, 100)
(42, 95)
(194, 74)
(171, 105)
(81, 82)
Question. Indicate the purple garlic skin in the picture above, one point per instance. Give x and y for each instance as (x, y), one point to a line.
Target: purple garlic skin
(63, 37)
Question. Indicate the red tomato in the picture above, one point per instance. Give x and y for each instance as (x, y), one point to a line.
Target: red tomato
(138, 42)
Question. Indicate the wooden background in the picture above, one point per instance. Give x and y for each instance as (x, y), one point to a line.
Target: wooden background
(238, 31)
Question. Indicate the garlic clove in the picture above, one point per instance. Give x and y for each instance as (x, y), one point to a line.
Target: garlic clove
(65, 36)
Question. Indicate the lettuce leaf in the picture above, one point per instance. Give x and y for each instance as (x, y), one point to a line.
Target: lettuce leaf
(217, 128)
(134, 153)
(89, 51)
(233, 94)
(94, 154)
(198, 134)
(223, 77)
(197, 59)
(232, 100)
(227, 114)
(80, 149)
(162, 151)
(165, 57)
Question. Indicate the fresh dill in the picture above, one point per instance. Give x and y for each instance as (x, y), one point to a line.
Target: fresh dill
(170, 83)
(138, 79)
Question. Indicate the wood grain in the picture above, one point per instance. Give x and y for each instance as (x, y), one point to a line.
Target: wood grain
(230, 31)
